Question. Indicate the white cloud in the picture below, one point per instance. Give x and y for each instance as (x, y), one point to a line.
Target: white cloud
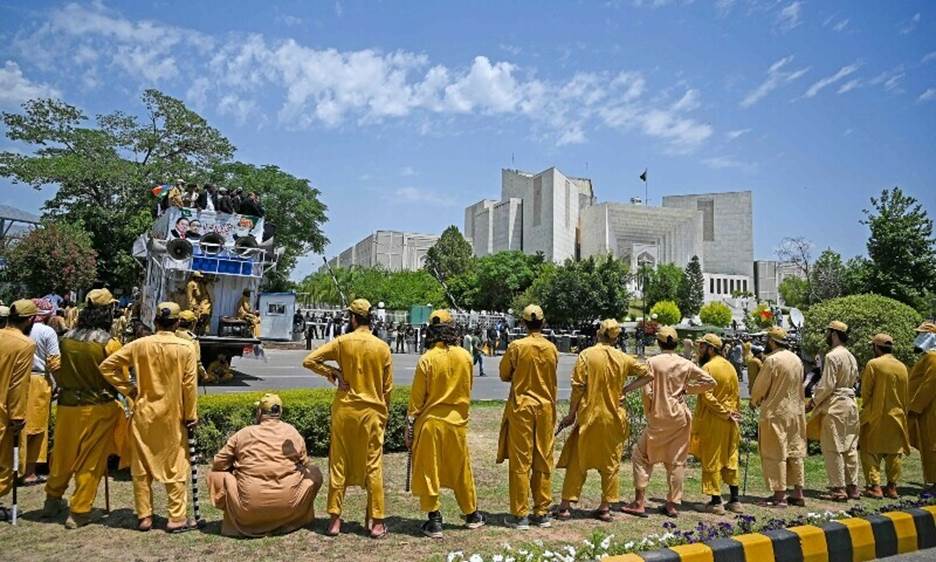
(15, 87)
(239, 108)
(339, 9)
(790, 16)
(841, 25)
(777, 75)
(931, 56)
(849, 86)
(928, 95)
(910, 25)
(724, 162)
(732, 135)
(724, 6)
(835, 23)
(890, 79)
(510, 49)
(289, 20)
(820, 85)
(407, 171)
(417, 195)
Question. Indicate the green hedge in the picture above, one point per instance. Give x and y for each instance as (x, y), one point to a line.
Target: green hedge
(309, 410)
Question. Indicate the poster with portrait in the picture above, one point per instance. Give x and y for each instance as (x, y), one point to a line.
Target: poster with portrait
(193, 224)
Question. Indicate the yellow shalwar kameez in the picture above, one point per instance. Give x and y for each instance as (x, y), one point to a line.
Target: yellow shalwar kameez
(529, 420)
(715, 436)
(358, 415)
(246, 312)
(922, 412)
(87, 416)
(781, 427)
(884, 401)
(753, 369)
(16, 358)
(439, 401)
(167, 398)
(34, 439)
(602, 427)
(836, 410)
(189, 336)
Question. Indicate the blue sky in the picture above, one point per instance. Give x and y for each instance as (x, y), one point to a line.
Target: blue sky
(402, 113)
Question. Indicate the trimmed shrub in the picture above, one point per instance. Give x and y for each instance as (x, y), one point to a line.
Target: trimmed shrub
(761, 318)
(716, 313)
(667, 313)
(865, 315)
(309, 410)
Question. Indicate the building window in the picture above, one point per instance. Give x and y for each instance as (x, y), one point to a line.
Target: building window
(707, 206)
(732, 285)
(711, 285)
(718, 284)
(537, 200)
(744, 284)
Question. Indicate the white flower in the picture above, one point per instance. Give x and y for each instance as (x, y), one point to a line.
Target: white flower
(538, 542)
(606, 542)
(497, 558)
(476, 558)
(629, 545)
(457, 555)
(571, 550)
(588, 543)
(547, 554)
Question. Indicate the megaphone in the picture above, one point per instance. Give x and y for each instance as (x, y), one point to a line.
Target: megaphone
(179, 249)
(245, 246)
(212, 243)
(156, 246)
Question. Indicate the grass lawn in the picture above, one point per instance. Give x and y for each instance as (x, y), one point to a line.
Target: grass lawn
(113, 537)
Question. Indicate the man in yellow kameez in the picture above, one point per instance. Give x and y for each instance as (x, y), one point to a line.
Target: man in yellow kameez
(669, 423)
(835, 410)
(34, 439)
(781, 427)
(922, 410)
(87, 413)
(16, 358)
(884, 401)
(164, 405)
(198, 300)
(358, 415)
(246, 312)
(187, 322)
(529, 420)
(601, 426)
(438, 414)
(754, 363)
(716, 429)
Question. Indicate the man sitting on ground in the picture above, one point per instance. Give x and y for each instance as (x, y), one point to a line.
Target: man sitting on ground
(263, 479)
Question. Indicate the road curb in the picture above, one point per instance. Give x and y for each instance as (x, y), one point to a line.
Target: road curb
(855, 539)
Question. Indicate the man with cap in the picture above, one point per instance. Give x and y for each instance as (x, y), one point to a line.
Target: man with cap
(781, 427)
(922, 410)
(87, 412)
(225, 203)
(246, 312)
(526, 432)
(358, 416)
(438, 414)
(754, 364)
(884, 401)
(835, 410)
(164, 405)
(599, 419)
(187, 322)
(198, 298)
(263, 479)
(16, 358)
(669, 423)
(175, 196)
(34, 440)
(716, 430)
(4, 316)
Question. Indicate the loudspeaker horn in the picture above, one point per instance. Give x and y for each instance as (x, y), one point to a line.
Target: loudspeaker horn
(212, 243)
(245, 246)
(179, 249)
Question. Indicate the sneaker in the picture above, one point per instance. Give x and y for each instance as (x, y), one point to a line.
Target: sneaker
(53, 507)
(519, 523)
(734, 507)
(76, 520)
(474, 520)
(432, 528)
(542, 521)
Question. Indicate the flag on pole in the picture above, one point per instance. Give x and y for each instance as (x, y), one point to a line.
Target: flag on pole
(643, 176)
(160, 191)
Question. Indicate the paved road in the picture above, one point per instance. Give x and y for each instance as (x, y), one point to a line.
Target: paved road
(919, 556)
(282, 369)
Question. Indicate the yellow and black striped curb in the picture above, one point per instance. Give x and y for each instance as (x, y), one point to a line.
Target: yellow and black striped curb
(854, 539)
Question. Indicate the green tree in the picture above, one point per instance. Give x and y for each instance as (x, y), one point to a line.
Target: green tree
(495, 280)
(55, 257)
(828, 277)
(667, 313)
(292, 206)
(612, 276)
(901, 247)
(794, 291)
(857, 276)
(715, 313)
(664, 283)
(798, 252)
(692, 288)
(451, 255)
(572, 294)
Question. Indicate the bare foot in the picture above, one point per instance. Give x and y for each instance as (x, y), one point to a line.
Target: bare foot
(334, 526)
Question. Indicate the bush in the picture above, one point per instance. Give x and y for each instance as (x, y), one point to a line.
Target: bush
(760, 318)
(865, 315)
(667, 313)
(220, 415)
(716, 313)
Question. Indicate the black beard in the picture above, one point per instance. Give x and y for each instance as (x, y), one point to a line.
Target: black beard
(704, 359)
(828, 341)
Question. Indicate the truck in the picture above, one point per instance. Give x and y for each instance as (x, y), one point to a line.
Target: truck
(232, 252)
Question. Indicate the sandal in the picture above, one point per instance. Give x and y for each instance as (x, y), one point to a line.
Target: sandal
(37, 480)
(145, 524)
(563, 514)
(6, 514)
(378, 536)
(634, 511)
(798, 502)
(335, 533)
(840, 498)
(189, 525)
(671, 514)
(603, 515)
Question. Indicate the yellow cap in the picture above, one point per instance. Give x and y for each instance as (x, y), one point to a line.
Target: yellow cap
(777, 334)
(609, 328)
(360, 307)
(169, 310)
(837, 326)
(187, 316)
(24, 308)
(4, 311)
(883, 339)
(267, 403)
(100, 297)
(927, 328)
(440, 316)
(665, 333)
(712, 340)
(532, 312)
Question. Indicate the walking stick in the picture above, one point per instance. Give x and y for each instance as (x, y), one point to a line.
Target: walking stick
(107, 487)
(409, 456)
(747, 459)
(191, 448)
(15, 509)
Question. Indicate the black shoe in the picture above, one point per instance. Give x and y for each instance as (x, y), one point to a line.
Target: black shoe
(520, 523)
(474, 520)
(433, 526)
(543, 521)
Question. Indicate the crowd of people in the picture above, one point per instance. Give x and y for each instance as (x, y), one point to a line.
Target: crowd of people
(209, 197)
(264, 481)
